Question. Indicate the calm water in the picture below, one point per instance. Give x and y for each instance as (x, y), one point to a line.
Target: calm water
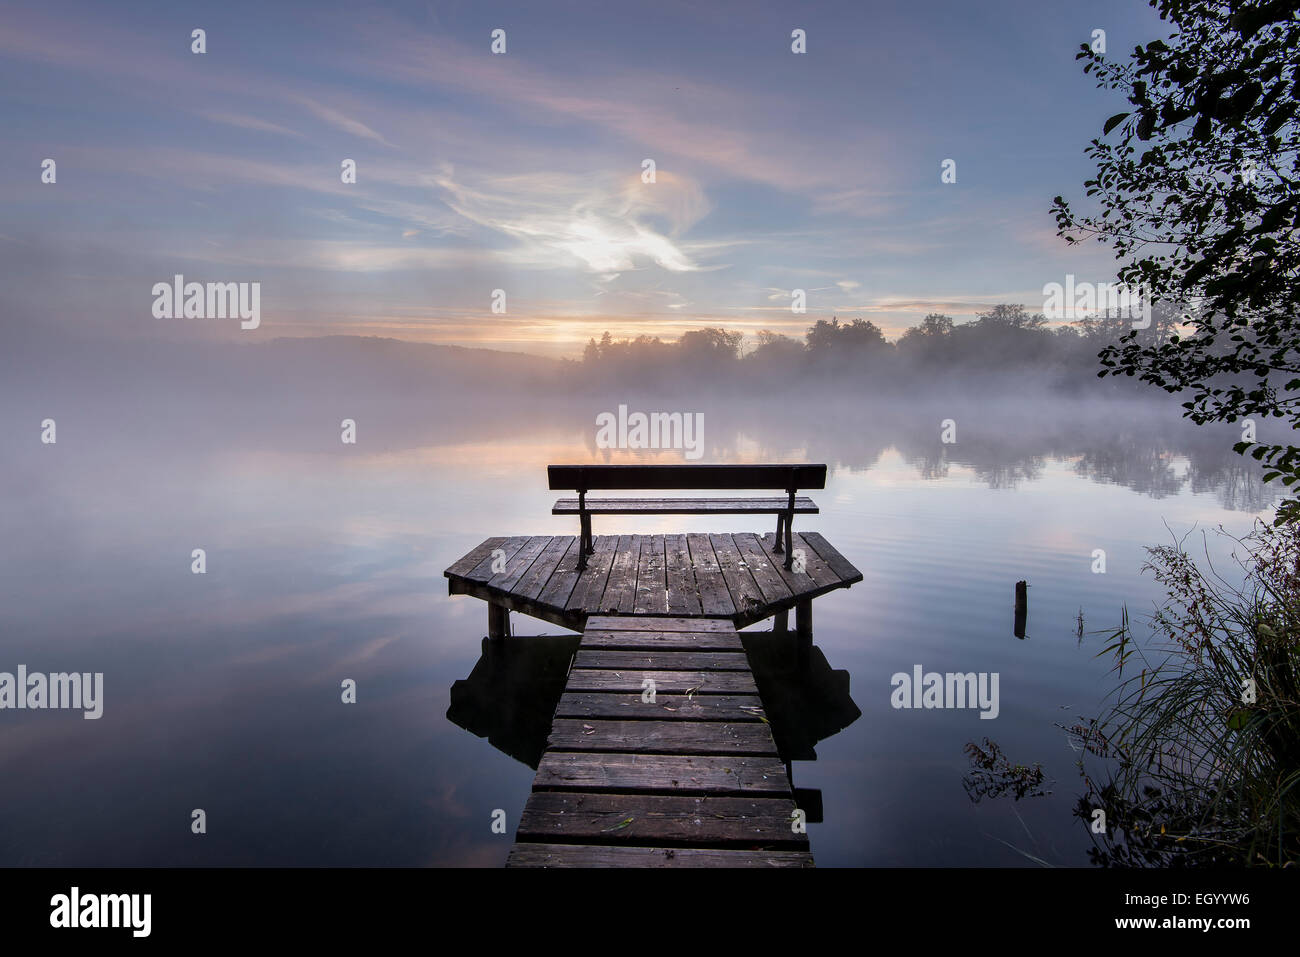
(324, 562)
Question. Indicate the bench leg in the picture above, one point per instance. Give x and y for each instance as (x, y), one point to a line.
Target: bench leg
(780, 526)
(789, 543)
(803, 630)
(584, 541)
(498, 620)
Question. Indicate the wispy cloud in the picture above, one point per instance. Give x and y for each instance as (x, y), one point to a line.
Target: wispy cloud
(607, 228)
(249, 123)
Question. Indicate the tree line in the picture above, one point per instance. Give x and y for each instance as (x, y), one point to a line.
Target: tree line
(1006, 341)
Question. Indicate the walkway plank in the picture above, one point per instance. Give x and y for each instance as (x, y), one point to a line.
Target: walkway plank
(662, 737)
(662, 640)
(730, 774)
(689, 683)
(666, 707)
(614, 623)
(647, 818)
(594, 855)
(662, 658)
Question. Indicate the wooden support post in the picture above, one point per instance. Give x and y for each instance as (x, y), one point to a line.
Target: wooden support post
(498, 620)
(803, 629)
(781, 622)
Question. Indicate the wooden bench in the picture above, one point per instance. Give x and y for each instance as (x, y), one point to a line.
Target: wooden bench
(584, 478)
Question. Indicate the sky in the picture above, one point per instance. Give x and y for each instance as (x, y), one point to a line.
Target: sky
(524, 171)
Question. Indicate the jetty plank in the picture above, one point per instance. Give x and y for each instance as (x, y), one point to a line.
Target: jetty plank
(665, 707)
(838, 563)
(816, 570)
(629, 623)
(661, 658)
(518, 564)
(651, 578)
(647, 818)
(689, 683)
(629, 773)
(596, 855)
(620, 589)
(539, 573)
(745, 593)
(683, 592)
(773, 587)
(591, 583)
(662, 737)
(465, 564)
(661, 640)
(715, 598)
(509, 548)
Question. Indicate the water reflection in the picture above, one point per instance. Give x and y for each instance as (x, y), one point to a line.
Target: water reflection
(510, 696)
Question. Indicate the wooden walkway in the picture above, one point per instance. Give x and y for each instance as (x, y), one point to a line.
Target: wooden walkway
(735, 576)
(692, 779)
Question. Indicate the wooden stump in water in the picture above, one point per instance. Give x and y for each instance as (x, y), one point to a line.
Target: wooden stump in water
(1022, 603)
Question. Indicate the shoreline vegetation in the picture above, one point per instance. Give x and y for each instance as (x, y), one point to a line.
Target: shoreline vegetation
(1199, 749)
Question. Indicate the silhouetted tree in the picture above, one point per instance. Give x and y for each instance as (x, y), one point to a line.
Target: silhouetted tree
(1208, 211)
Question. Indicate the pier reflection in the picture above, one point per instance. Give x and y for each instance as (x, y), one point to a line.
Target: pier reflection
(510, 696)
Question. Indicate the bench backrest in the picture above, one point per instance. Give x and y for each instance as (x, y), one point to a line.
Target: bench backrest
(582, 478)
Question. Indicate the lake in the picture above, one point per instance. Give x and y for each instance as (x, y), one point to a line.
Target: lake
(324, 562)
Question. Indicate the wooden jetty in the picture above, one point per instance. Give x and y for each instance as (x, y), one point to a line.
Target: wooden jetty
(688, 777)
(691, 775)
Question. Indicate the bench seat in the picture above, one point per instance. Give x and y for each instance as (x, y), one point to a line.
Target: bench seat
(687, 506)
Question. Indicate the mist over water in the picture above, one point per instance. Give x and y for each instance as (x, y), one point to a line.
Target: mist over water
(325, 560)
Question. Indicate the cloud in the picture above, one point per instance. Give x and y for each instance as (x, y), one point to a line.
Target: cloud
(337, 119)
(249, 123)
(607, 228)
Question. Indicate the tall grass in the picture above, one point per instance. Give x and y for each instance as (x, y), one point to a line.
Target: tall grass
(1201, 742)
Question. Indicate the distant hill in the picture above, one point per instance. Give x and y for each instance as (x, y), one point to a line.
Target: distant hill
(355, 364)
